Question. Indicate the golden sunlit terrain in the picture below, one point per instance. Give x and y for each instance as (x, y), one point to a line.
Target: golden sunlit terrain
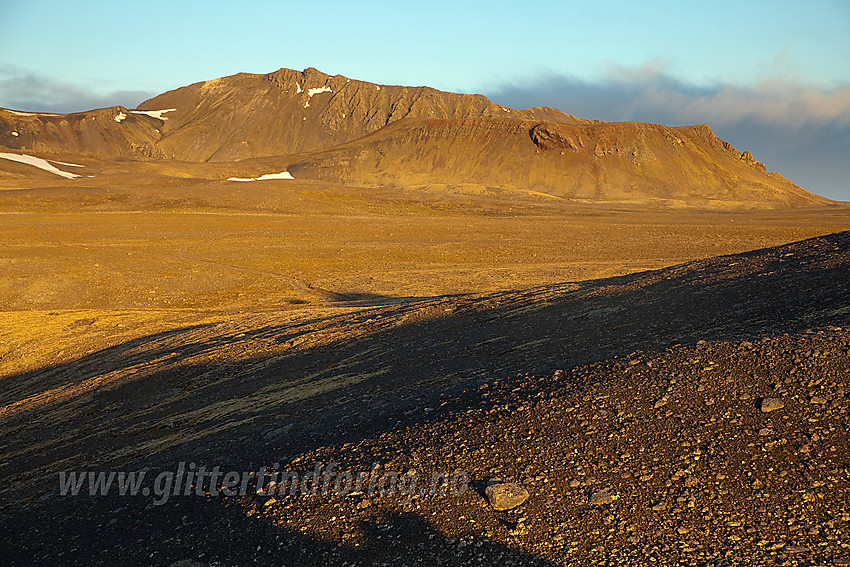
(630, 340)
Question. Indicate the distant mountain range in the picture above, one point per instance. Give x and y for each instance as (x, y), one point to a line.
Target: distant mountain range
(318, 126)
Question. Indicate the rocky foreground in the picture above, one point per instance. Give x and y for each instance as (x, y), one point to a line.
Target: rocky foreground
(729, 452)
(722, 437)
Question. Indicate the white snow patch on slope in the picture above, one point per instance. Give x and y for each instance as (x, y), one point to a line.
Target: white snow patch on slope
(39, 163)
(63, 163)
(325, 89)
(377, 87)
(158, 114)
(317, 90)
(121, 116)
(281, 175)
(32, 113)
(15, 134)
(297, 88)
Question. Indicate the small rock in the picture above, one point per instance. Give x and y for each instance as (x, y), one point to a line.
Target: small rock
(771, 404)
(818, 400)
(662, 402)
(574, 483)
(765, 431)
(660, 506)
(796, 549)
(599, 498)
(273, 433)
(506, 495)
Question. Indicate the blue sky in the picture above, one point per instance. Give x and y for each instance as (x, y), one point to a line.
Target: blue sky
(772, 77)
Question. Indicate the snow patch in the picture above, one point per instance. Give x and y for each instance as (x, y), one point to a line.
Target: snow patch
(311, 92)
(121, 116)
(378, 87)
(15, 134)
(297, 88)
(39, 163)
(325, 89)
(281, 175)
(158, 114)
(63, 163)
(32, 113)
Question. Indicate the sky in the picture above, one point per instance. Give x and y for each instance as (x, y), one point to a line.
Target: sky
(771, 76)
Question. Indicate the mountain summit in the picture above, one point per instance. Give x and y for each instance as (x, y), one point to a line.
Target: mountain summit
(289, 111)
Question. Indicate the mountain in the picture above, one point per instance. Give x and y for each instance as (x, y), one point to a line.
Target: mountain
(248, 115)
(289, 111)
(112, 132)
(333, 128)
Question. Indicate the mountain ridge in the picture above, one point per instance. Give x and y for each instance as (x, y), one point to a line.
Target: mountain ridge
(330, 127)
(304, 110)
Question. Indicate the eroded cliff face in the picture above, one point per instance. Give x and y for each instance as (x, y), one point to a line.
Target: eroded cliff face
(635, 162)
(289, 111)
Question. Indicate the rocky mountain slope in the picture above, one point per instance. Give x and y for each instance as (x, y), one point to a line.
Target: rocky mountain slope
(112, 132)
(247, 115)
(695, 414)
(596, 162)
(289, 111)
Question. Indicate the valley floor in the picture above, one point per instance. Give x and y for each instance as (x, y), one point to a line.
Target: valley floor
(579, 350)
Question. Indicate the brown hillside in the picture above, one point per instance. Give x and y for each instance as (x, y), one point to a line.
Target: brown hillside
(289, 111)
(631, 162)
(108, 132)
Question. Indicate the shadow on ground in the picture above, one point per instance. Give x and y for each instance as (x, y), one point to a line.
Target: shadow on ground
(271, 391)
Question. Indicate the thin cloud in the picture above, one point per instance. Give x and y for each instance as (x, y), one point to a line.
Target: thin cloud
(789, 105)
(21, 89)
(649, 93)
